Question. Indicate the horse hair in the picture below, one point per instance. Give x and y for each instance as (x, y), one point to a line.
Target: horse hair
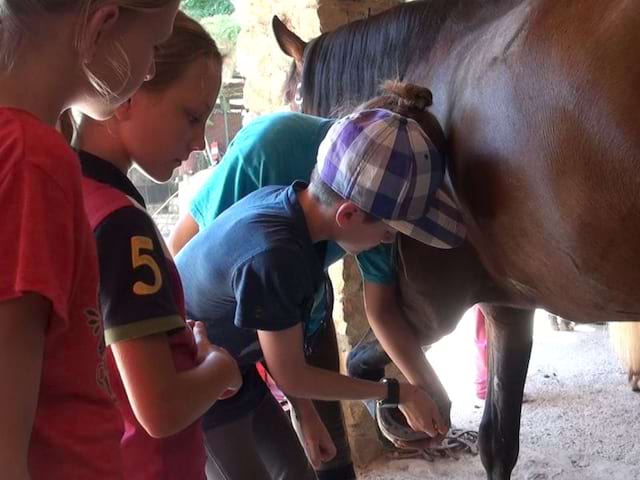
(348, 65)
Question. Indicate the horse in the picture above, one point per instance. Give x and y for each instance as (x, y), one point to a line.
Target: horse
(539, 102)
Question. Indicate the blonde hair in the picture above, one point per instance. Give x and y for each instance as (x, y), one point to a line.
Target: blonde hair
(189, 42)
(16, 14)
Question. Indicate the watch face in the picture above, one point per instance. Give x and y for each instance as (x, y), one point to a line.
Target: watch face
(393, 393)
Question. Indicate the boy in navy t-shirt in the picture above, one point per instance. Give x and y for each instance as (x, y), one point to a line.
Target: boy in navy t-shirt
(251, 276)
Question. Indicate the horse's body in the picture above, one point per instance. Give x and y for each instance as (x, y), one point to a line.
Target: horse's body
(540, 105)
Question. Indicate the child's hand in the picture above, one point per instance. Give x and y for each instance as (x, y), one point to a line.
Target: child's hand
(203, 344)
(229, 364)
(421, 411)
(224, 358)
(315, 438)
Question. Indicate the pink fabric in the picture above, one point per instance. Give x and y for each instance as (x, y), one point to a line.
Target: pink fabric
(275, 390)
(481, 354)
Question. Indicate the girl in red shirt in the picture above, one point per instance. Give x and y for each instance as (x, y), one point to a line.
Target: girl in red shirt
(57, 417)
(163, 378)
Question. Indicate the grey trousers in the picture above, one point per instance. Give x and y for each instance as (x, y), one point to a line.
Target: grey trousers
(260, 446)
(324, 354)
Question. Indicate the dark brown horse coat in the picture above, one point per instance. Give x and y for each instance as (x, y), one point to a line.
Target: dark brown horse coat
(540, 103)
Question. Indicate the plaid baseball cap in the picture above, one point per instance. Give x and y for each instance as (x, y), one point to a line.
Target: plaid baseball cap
(387, 165)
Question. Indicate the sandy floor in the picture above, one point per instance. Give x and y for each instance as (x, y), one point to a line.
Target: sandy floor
(582, 421)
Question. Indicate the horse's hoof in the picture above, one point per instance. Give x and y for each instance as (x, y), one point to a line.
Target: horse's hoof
(634, 380)
(566, 325)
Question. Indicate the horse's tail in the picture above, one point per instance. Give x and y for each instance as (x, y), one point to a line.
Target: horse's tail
(625, 339)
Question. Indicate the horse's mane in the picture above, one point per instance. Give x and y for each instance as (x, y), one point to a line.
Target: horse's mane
(346, 66)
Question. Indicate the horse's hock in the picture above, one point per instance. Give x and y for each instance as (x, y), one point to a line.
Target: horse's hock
(265, 68)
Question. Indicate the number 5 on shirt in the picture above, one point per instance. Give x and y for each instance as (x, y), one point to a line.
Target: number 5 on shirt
(139, 260)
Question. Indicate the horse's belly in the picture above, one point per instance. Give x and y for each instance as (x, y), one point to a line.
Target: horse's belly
(546, 141)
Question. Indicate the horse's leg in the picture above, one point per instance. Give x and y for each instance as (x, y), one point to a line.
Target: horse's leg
(565, 325)
(625, 339)
(510, 337)
(367, 360)
(634, 381)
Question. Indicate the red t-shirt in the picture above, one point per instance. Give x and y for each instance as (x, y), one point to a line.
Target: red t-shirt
(48, 248)
(140, 294)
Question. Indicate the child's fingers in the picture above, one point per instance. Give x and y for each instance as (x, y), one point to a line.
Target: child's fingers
(419, 444)
(200, 331)
(228, 393)
(328, 451)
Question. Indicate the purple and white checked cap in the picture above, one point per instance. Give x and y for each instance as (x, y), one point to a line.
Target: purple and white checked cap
(387, 165)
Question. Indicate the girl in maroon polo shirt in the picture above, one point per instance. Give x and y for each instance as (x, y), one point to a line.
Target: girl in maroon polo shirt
(164, 374)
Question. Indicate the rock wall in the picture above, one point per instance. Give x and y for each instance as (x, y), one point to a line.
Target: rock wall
(259, 58)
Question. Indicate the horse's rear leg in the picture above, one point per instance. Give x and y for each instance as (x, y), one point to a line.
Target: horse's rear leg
(510, 337)
(625, 338)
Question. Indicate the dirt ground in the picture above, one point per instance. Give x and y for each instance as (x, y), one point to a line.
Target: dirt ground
(582, 421)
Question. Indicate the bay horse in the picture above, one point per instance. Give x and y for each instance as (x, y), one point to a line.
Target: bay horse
(539, 101)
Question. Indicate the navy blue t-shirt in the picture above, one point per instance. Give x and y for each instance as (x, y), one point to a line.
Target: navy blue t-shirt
(254, 268)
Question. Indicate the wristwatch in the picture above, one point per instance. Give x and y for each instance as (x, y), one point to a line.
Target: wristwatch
(393, 393)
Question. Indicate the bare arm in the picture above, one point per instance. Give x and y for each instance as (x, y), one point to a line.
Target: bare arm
(185, 230)
(165, 401)
(285, 359)
(284, 356)
(313, 434)
(22, 331)
(399, 341)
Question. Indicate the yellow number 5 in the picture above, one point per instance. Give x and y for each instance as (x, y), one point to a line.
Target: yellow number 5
(139, 259)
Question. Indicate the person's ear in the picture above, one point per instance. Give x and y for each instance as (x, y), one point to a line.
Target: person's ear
(123, 112)
(100, 23)
(346, 214)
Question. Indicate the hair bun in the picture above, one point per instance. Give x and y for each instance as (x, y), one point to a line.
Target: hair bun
(408, 95)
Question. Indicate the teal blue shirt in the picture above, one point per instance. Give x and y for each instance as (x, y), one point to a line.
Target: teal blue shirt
(278, 149)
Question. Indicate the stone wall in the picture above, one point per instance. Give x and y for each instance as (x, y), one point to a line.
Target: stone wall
(259, 58)
(351, 323)
(334, 13)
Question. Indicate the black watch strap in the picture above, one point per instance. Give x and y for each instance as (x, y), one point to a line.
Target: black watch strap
(393, 393)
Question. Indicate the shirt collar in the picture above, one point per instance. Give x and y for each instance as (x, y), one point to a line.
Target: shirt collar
(102, 171)
(316, 250)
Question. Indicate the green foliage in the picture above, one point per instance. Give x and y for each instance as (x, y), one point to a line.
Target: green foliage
(224, 30)
(200, 9)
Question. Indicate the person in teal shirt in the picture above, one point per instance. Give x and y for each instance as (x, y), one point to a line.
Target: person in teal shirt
(278, 149)
(275, 149)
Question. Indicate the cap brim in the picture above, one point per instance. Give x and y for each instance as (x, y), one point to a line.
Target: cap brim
(441, 227)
